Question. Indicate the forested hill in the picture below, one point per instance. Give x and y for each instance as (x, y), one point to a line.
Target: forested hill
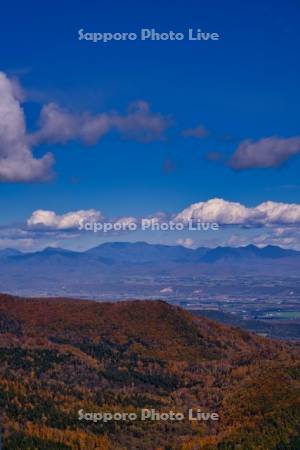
(59, 356)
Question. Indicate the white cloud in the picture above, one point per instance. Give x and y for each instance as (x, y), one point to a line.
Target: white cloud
(70, 220)
(18, 244)
(220, 211)
(287, 237)
(266, 214)
(233, 213)
(59, 125)
(267, 152)
(187, 242)
(127, 221)
(17, 162)
(284, 213)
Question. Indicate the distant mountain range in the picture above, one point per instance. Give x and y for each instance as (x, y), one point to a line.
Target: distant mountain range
(54, 269)
(144, 253)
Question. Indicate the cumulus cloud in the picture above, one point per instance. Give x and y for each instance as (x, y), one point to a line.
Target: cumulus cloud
(216, 210)
(286, 237)
(220, 211)
(127, 221)
(141, 124)
(19, 236)
(289, 238)
(68, 221)
(59, 125)
(17, 162)
(267, 152)
(18, 91)
(234, 213)
(267, 223)
(20, 244)
(186, 242)
(281, 213)
(23, 231)
(197, 132)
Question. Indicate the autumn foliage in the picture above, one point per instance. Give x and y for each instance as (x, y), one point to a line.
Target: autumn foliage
(59, 356)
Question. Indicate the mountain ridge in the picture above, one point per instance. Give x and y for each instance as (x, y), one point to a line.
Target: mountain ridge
(73, 355)
(108, 267)
(136, 249)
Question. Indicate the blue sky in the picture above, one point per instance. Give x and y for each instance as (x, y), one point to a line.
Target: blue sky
(244, 87)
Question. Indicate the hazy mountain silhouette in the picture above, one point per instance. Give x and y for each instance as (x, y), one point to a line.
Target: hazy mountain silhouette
(84, 272)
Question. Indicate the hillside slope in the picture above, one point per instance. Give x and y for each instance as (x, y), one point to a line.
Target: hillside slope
(59, 356)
